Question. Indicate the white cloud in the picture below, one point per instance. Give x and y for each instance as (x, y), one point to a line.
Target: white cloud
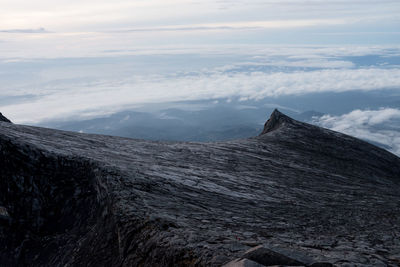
(110, 95)
(378, 126)
(240, 37)
(41, 89)
(241, 25)
(317, 62)
(39, 30)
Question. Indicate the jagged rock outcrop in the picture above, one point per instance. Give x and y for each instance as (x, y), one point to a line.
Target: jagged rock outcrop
(305, 194)
(4, 119)
(276, 120)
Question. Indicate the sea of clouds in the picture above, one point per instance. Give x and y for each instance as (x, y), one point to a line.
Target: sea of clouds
(37, 90)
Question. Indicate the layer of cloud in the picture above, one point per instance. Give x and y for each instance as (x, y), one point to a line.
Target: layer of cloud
(380, 127)
(38, 30)
(242, 25)
(212, 41)
(317, 63)
(110, 95)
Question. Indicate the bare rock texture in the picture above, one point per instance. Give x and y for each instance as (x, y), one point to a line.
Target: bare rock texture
(306, 194)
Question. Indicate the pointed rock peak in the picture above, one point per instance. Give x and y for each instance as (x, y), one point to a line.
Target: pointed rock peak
(2, 118)
(276, 120)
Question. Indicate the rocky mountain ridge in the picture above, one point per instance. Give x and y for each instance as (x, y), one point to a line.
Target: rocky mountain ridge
(295, 195)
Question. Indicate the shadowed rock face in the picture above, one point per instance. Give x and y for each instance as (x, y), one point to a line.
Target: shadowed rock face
(308, 195)
(2, 118)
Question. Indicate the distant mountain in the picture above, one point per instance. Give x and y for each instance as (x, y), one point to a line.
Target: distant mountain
(296, 195)
(213, 124)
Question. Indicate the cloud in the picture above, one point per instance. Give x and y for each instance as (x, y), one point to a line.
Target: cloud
(39, 30)
(242, 25)
(319, 63)
(380, 127)
(111, 95)
(100, 15)
(93, 86)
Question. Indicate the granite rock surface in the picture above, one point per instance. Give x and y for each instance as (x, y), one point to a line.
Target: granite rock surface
(296, 194)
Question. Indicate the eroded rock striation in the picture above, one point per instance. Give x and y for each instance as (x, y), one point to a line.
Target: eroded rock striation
(295, 195)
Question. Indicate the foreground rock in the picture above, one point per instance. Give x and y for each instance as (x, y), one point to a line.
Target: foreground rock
(306, 194)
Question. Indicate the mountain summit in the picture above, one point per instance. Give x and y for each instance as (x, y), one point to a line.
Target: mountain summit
(276, 120)
(296, 195)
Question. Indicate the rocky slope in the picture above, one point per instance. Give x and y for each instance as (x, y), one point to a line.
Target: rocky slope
(295, 195)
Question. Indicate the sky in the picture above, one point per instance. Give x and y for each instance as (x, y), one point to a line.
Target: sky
(82, 59)
(45, 28)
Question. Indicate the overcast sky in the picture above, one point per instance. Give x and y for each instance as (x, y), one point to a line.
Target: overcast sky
(45, 28)
(62, 58)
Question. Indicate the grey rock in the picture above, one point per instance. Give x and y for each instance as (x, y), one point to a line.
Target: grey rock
(92, 200)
